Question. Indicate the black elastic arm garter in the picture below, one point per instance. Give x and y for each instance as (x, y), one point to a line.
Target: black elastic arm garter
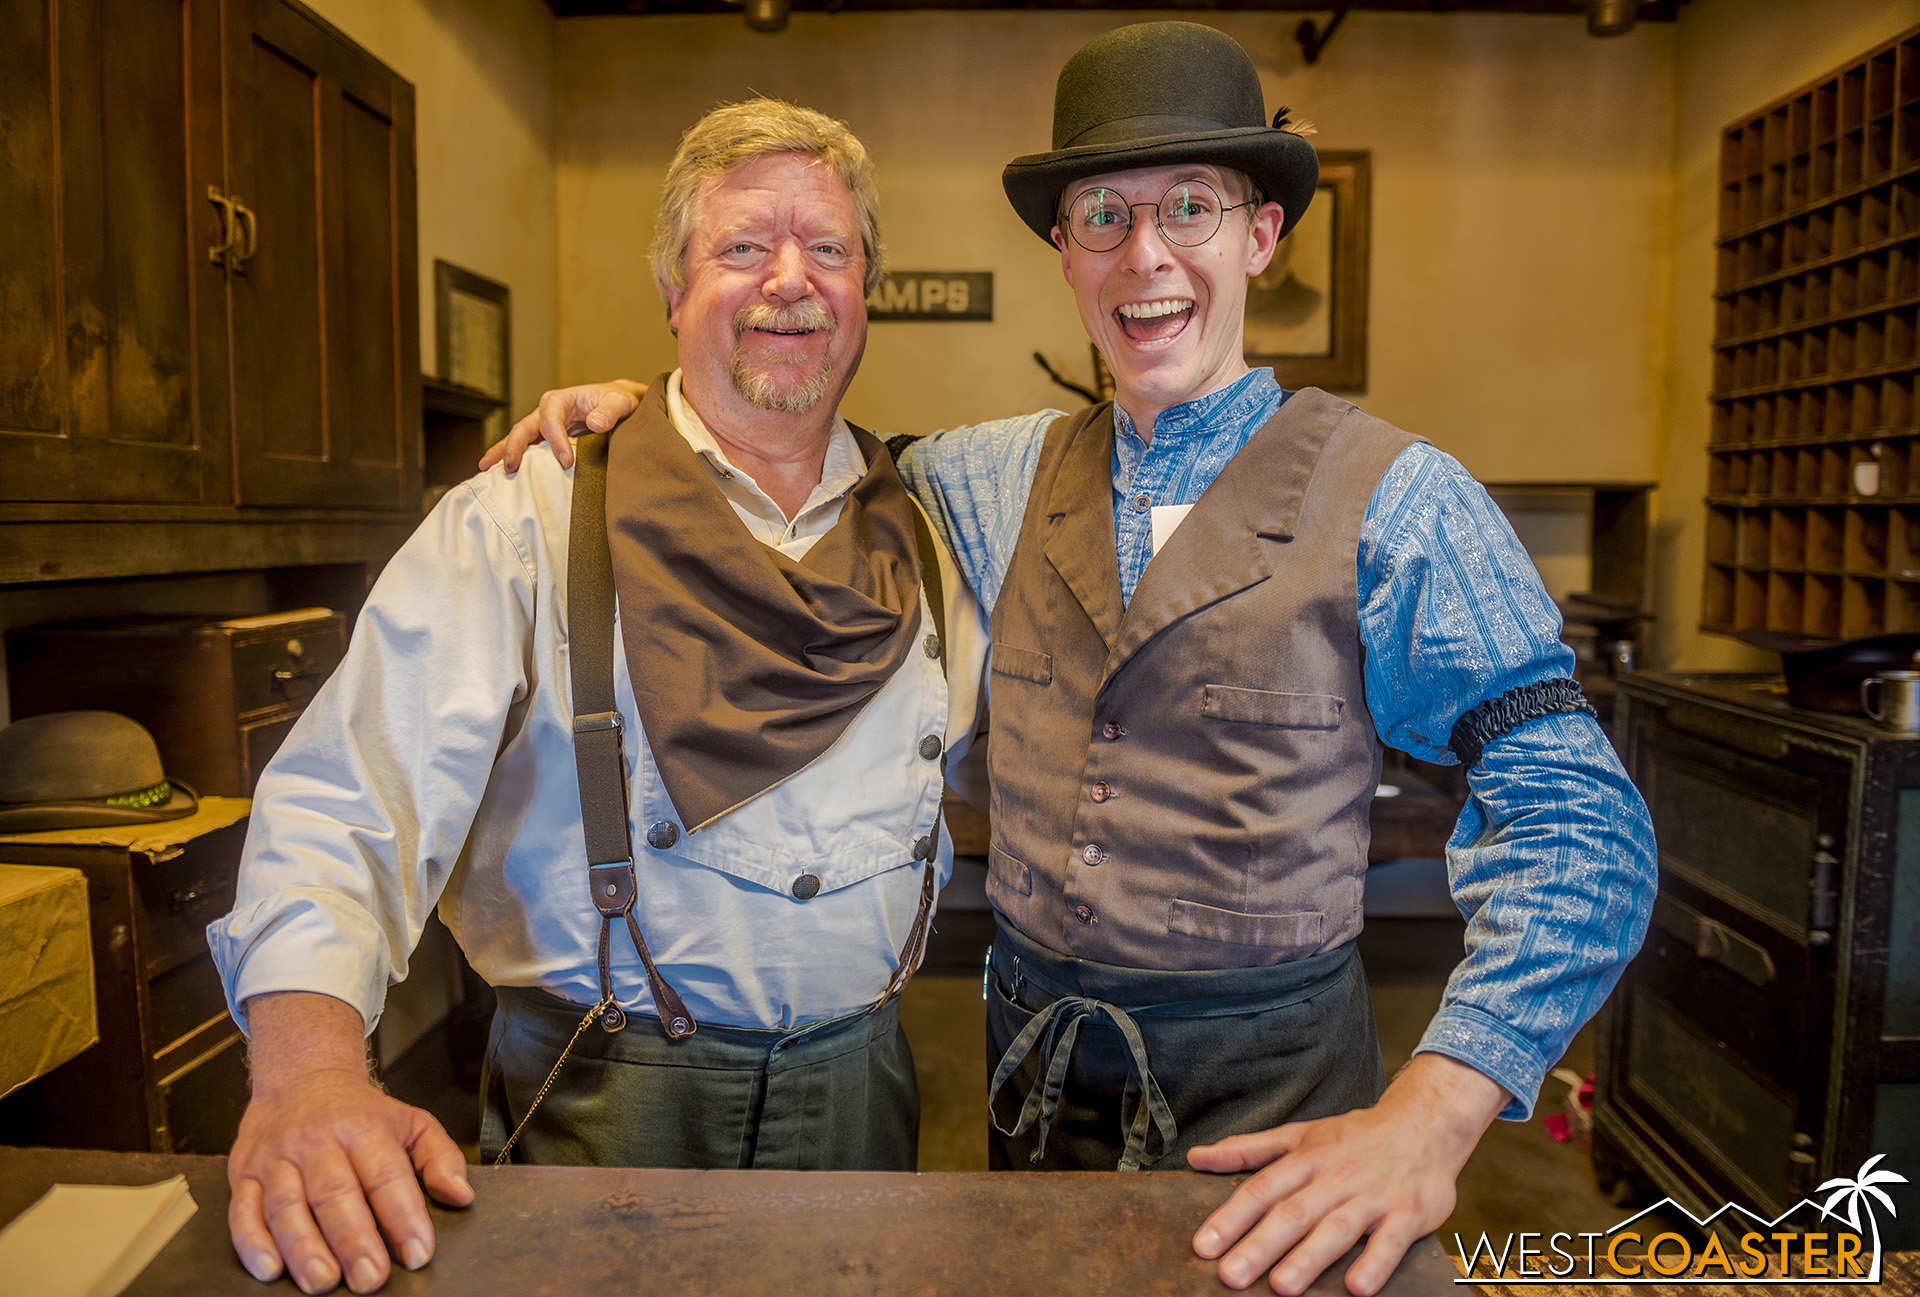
(1512, 709)
(898, 443)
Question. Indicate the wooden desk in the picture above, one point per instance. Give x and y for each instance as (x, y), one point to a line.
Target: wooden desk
(538, 1230)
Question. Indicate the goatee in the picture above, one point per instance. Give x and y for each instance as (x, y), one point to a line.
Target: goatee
(756, 382)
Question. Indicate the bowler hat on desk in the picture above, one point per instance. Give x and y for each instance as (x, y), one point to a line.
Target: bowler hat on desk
(83, 770)
(1824, 675)
(1161, 94)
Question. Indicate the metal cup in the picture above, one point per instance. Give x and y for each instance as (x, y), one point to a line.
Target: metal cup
(1898, 696)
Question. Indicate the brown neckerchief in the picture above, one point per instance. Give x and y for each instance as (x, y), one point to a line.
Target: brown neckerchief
(747, 664)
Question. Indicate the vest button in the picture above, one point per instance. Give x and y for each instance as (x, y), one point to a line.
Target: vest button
(930, 746)
(662, 834)
(931, 646)
(923, 848)
(1102, 791)
(1093, 855)
(1113, 729)
(1141, 503)
(1084, 913)
(806, 887)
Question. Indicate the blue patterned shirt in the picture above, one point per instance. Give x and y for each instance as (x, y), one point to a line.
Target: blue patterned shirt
(1552, 861)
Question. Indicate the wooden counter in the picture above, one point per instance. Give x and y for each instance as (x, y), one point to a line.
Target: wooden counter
(541, 1230)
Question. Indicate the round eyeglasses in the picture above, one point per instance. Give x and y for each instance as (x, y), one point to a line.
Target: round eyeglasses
(1188, 214)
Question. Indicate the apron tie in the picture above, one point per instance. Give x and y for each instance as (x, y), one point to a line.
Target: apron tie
(1060, 1022)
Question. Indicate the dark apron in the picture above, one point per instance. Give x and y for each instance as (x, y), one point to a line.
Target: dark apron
(1094, 1067)
(831, 1096)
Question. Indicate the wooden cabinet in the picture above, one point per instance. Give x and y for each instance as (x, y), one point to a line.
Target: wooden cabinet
(219, 697)
(112, 334)
(208, 294)
(323, 288)
(1813, 462)
(169, 1073)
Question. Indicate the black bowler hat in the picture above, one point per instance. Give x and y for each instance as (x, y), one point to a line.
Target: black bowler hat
(1154, 95)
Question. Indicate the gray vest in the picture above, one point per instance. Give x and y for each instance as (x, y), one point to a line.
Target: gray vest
(1184, 783)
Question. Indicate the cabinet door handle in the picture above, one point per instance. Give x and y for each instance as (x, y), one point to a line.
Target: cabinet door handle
(229, 226)
(249, 233)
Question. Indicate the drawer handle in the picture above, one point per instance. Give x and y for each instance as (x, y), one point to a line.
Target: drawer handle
(285, 676)
(1714, 942)
(191, 895)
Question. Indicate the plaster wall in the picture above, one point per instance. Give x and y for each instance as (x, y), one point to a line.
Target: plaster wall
(1521, 199)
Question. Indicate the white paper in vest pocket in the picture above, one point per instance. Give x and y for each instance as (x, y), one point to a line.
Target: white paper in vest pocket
(1166, 518)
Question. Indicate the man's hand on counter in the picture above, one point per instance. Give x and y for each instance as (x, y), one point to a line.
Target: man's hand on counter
(563, 414)
(322, 1155)
(1388, 1171)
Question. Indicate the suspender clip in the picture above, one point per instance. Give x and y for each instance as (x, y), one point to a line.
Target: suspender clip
(613, 887)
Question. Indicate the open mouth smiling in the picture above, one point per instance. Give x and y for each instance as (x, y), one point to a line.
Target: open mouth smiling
(1158, 321)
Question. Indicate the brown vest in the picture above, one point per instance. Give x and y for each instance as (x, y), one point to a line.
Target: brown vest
(1183, 784)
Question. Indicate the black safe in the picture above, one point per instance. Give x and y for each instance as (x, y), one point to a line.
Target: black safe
(1767, 1037)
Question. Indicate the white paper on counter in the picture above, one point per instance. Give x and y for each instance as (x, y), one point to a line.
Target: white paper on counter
(91, 1240)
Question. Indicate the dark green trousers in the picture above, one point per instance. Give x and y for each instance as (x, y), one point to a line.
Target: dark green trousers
(1102, 1067)
(832, 1096)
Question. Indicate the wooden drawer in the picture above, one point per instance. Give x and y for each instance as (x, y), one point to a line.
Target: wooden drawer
(179, 897)
(279, 665)
(186, 1011)
(202, 1101)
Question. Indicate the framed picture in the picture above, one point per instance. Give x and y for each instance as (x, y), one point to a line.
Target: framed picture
(472, 319)
(1307, 312)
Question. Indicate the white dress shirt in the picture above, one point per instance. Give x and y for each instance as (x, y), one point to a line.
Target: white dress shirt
(436, 767)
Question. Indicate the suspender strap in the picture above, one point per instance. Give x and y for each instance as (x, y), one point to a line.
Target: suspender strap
(599, 745)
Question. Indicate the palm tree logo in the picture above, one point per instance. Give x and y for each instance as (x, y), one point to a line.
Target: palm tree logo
(1855, 1192)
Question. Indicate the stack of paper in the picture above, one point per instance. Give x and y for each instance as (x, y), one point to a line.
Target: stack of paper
(91, 1240)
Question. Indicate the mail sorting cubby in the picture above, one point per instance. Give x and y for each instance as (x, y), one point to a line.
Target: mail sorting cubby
(1813, 494)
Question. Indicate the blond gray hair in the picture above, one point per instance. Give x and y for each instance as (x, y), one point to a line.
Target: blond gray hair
(733, 135)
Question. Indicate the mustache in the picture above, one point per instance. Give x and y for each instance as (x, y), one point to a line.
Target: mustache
(808, 315)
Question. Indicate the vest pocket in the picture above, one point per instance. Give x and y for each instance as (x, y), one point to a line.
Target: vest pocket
(1009, 871)
(1264, 707)
(1230, 927)
(1023, 664)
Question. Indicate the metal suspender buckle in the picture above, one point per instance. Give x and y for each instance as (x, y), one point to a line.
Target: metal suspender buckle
(596, 721)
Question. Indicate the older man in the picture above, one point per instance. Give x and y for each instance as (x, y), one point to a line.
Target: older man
(767, 716)
(1211, 602)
